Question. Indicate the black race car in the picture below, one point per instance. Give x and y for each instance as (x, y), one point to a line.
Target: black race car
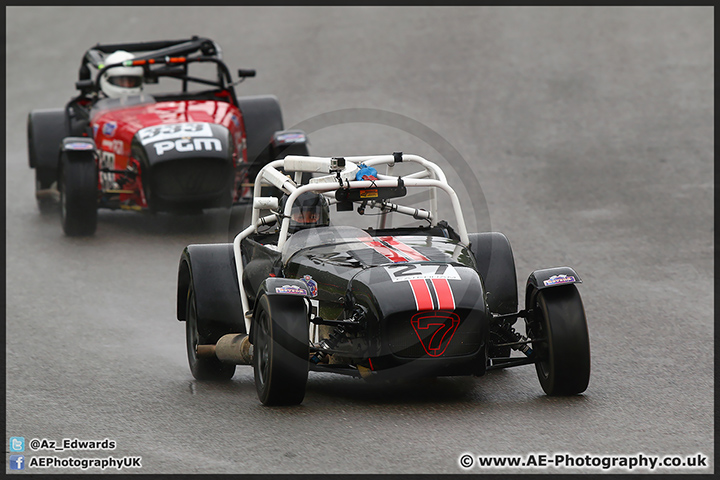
(296, 293)
(119, 146)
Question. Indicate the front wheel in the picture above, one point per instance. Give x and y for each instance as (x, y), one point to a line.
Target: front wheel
(281, 353)
(202, 368)
(563, 345)
(78, 193)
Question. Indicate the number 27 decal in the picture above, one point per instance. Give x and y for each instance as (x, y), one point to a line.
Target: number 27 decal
(405, 272)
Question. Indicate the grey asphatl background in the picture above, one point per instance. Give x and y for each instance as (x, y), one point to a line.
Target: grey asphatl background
(591, 133)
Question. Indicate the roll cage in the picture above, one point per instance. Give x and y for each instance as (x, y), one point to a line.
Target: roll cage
(340, 186)
(168, 58)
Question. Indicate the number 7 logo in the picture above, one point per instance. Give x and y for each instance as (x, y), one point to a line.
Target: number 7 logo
(435, 330)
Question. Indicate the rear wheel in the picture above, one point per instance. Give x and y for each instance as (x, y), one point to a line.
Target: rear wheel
(45, 130)
(78, 193)
(563, 346)
(202, 368)
(281, 354)
(496, 265)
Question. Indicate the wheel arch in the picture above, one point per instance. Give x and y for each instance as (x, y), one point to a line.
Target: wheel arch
(269, 289)
(548, 278)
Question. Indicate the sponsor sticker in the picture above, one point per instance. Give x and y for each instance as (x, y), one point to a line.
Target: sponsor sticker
(109, 129)
(291, 289)
(285, 138)
(557, 279)
(369, 193)
(311, 284)
(415, 271)
(187, 144)
(79, 146)
(115, 146)
(107, 162)
(159, 133)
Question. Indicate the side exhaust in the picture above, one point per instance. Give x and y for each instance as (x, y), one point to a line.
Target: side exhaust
(49, 194)
(231, 348)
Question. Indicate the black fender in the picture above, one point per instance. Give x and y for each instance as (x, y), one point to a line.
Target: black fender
(549, 278)
(211, 270)
(262, 117)
(496, 266)
(283, 293)
(45, 130)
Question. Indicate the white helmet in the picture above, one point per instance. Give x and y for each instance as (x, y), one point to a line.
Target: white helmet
(120, 81)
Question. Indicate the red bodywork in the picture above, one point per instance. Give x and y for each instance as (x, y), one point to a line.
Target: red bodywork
(113, 131)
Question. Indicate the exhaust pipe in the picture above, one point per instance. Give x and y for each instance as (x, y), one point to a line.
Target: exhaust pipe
(231, 348)
(48, 193)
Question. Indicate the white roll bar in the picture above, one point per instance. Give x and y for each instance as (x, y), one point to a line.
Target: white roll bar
(431, 176)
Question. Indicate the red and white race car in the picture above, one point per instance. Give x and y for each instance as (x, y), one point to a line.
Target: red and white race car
(118, 146)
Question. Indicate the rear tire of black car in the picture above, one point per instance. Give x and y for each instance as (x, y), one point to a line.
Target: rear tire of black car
(496, 265)
(203, 368)
(78, 193)
(281, 353)
(563, 348)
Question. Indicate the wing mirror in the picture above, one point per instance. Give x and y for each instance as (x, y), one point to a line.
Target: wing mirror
(246, 72)
(85, 86)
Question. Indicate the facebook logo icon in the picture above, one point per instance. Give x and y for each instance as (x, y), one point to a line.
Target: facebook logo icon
(17, 462)
(17, 444)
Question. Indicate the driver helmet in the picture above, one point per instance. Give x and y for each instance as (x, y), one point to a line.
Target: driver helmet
(120, 81)
(309, 210)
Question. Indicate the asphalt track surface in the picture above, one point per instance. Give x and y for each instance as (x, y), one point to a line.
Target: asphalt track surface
(590, 132)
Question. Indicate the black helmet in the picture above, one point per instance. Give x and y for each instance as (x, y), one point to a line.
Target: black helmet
(309, 210)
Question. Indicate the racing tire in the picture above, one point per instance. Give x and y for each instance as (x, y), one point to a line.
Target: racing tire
(45, 130)
(281, 352)
(78, 193)
(496, 265)
(563, 365)
(202, 368)
(262, 117)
